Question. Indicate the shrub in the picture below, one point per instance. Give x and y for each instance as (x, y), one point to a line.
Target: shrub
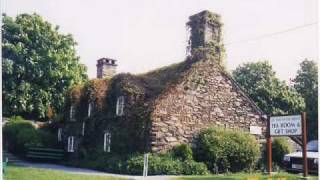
(19, 134)
(28, 137)
(183, 152)
(280, 147)
(191, 167)
(226, 149)
(157, 165)
(13, 131)
(49, 139)
(165, 164)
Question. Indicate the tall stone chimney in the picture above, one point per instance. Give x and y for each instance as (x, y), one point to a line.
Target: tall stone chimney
(106, 68)
(206, 35)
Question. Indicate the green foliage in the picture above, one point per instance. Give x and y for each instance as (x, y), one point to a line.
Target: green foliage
(164, 164)
(226, 150)
(273, 96)
(191, 167)
(28, 137)
(159, 164)
(280, 147)
(38, 66)
(306, 83)
(108, 162)
(183, 151)
(131, 130)
(19, 134)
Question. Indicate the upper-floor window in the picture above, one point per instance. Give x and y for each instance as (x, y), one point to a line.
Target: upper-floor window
(90, 108)
(107, 141)
(59, 134)
(72, 113)
(120, 106)
(83, 127)
(71, 144)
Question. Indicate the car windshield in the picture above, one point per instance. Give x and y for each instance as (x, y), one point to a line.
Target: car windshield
(312, 146)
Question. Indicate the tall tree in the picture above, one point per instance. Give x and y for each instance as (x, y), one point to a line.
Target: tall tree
(38, 66)
(273, 96)
(306, 83)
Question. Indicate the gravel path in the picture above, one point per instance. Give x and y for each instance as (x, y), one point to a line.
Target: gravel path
(74, 170)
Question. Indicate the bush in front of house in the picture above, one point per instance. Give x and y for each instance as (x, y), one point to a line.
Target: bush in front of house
(19, 134)
(192, 167)
(159, 164)
(165, 164)
(280, 147)
(224, 150)
(183, 152)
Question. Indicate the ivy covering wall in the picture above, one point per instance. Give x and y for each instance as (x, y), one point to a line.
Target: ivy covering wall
(131, 132)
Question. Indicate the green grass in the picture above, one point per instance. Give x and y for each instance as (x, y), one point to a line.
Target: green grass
(23, 173)
(241, 176)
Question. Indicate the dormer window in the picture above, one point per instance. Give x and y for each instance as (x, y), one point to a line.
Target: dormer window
(120, 106)
(71, 144)
(90, 108)
(107, 141)
(72, 113)
(59, 134)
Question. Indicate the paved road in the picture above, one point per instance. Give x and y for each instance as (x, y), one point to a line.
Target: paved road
(87, 171)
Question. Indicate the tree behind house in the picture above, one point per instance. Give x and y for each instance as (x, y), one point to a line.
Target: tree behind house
(306, 83)
(273, 96)
(39, 65)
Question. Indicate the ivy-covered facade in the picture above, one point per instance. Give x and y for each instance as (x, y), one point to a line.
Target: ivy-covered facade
(158, 110)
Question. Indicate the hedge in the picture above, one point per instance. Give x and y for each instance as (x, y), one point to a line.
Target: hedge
(280, 147)
(226, 150)
(19, 134)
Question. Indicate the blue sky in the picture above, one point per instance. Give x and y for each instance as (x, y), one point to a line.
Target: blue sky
(147, 34)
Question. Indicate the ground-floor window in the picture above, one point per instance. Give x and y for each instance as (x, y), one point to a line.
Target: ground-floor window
(107, 142)
(90, 108)
(59, 134)
(70, 144)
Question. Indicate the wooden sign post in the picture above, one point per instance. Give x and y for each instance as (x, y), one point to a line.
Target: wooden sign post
(269, 147)
(291, 125)
(304, 145)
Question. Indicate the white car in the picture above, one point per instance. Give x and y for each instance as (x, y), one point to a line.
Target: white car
(294, 161)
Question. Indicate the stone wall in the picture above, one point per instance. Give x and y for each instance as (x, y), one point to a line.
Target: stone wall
(204, 97)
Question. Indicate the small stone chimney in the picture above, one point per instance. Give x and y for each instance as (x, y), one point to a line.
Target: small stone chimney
(206, 35)
(106, 68)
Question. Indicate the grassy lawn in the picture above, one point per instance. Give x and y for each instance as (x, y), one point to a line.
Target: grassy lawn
(280, 176)
(23, 173)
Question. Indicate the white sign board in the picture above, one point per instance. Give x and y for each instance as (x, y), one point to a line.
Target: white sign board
(285, 125)
(255, 130)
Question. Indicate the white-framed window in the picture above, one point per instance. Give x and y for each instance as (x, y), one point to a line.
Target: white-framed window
(107, 141)
(120, 106)
(83, 127)
(71, 144)
(59, 134)
(72, 113)
(90, 108)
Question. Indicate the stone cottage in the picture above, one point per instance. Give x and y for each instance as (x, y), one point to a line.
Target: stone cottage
(160, 109)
